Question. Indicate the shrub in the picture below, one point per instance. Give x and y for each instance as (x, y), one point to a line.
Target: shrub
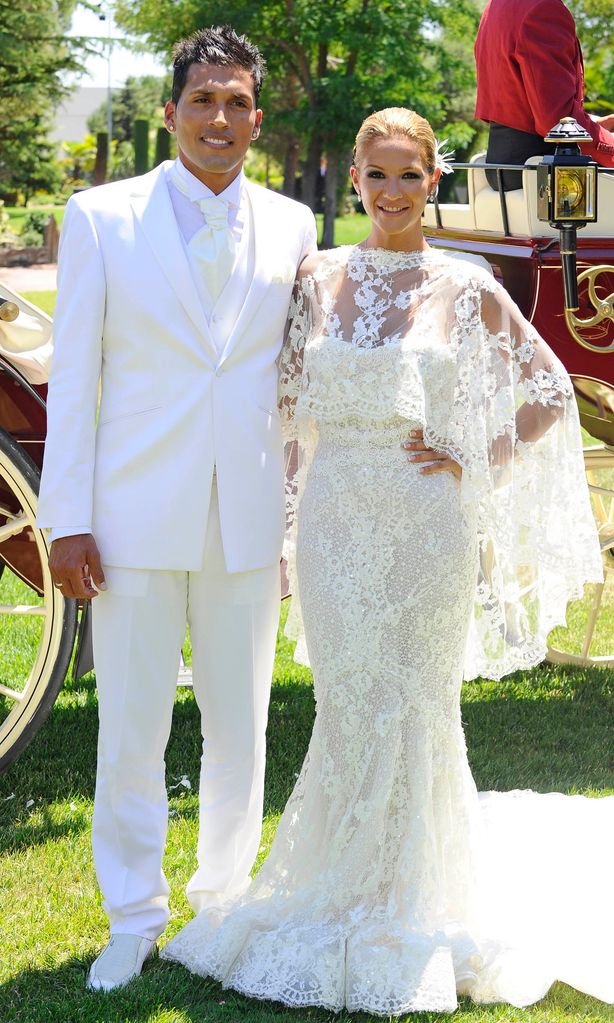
(33, 230)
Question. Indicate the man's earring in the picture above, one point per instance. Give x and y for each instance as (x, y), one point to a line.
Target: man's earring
(171, 127)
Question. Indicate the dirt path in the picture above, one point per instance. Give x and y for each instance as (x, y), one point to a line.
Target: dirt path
(29, 278)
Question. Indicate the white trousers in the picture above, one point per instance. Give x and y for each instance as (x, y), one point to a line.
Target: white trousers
(138, 629)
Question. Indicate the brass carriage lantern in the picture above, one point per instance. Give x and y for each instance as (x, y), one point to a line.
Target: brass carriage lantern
(567, 181)
(567, 200)
(567, 195)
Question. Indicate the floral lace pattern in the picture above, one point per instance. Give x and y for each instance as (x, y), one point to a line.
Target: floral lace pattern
(417, 338)
(373, 894)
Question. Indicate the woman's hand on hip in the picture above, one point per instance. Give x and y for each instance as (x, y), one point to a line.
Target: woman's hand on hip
(439, 460)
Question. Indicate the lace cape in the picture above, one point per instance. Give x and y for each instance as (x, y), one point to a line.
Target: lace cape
(374, 336)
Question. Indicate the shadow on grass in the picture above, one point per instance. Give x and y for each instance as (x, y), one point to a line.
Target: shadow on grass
(549, 729)
(60, 764)
(168, 993)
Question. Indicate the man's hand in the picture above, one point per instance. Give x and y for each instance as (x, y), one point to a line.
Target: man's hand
(440, 462)
(75, 566)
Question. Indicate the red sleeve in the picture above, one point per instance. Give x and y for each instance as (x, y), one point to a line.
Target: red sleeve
(549, 59)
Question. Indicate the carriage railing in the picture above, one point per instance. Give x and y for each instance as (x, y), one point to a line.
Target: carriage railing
(499, 169)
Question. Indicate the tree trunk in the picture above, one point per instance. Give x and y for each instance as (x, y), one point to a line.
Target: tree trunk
(290, 169)
(309, 194)
(330, 198)
(101, 166)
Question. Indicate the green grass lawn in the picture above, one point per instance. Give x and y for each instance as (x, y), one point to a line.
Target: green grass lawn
(349, 229)
(45, 300)
(17, 214)
(550, 728)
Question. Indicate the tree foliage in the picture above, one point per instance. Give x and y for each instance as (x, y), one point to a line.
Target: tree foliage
(138, 98)
(34, 51)
(595, 26)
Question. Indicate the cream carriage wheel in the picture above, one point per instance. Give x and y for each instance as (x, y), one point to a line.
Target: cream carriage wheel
(592, 619)
(37, 625)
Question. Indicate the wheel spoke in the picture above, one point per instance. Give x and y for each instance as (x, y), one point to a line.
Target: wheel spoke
(13, 527)
(23, 609)
(590, 626)
(14, 694)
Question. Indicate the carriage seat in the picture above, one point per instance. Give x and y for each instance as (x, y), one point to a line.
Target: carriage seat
(456, 215)
(26, 342)
(522, 206)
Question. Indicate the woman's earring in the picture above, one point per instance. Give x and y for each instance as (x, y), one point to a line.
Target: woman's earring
(171, 127)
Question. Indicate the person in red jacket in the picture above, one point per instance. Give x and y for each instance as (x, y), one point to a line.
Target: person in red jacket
(530, 73)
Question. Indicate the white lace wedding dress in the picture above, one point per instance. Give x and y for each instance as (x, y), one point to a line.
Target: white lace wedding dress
(391, 886)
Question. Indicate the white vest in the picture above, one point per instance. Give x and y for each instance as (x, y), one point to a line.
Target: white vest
(223, 313)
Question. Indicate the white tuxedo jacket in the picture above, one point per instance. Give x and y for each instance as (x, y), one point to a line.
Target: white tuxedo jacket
(129, 319)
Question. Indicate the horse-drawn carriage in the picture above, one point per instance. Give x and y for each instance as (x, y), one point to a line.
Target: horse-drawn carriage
(38, 626)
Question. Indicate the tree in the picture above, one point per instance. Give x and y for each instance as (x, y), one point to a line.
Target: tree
(595, 27)
(138, 98)
(163, 146)
(331, 62)
(34, 52)
(141, 146)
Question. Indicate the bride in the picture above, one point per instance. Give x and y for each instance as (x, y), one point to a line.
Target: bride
(441, 522)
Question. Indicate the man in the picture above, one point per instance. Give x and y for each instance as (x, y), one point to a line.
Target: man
(173, 294)
(530, 74)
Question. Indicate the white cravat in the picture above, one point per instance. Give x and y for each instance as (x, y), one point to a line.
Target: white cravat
(213, 247)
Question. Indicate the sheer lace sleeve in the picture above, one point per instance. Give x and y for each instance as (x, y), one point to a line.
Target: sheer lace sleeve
(290, 373)
(514, 423)
(290, 363)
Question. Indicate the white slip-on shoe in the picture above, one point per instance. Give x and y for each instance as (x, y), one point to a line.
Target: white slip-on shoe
(119, 962)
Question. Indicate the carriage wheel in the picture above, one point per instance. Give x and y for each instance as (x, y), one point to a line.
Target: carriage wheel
(37, 625)
(593, 617)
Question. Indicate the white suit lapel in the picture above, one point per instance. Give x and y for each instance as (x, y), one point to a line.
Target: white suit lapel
(260, 208)
(153, 210)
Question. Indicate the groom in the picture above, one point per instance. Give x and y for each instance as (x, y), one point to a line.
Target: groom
(173, 293)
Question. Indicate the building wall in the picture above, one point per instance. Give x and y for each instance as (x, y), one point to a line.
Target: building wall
(72, 115)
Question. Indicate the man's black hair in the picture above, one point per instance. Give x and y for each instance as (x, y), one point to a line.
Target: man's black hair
(219, 45)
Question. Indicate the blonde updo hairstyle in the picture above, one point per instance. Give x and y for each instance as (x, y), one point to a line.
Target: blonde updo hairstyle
(392, 123)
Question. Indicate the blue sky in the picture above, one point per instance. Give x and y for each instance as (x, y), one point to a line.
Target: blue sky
(123, 61)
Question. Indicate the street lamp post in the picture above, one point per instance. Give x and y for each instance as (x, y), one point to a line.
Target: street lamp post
(105, 14)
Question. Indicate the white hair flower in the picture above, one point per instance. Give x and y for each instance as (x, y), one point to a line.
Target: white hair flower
(443, 157)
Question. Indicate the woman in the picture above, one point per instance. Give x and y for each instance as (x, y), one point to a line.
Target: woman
(379, 892)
